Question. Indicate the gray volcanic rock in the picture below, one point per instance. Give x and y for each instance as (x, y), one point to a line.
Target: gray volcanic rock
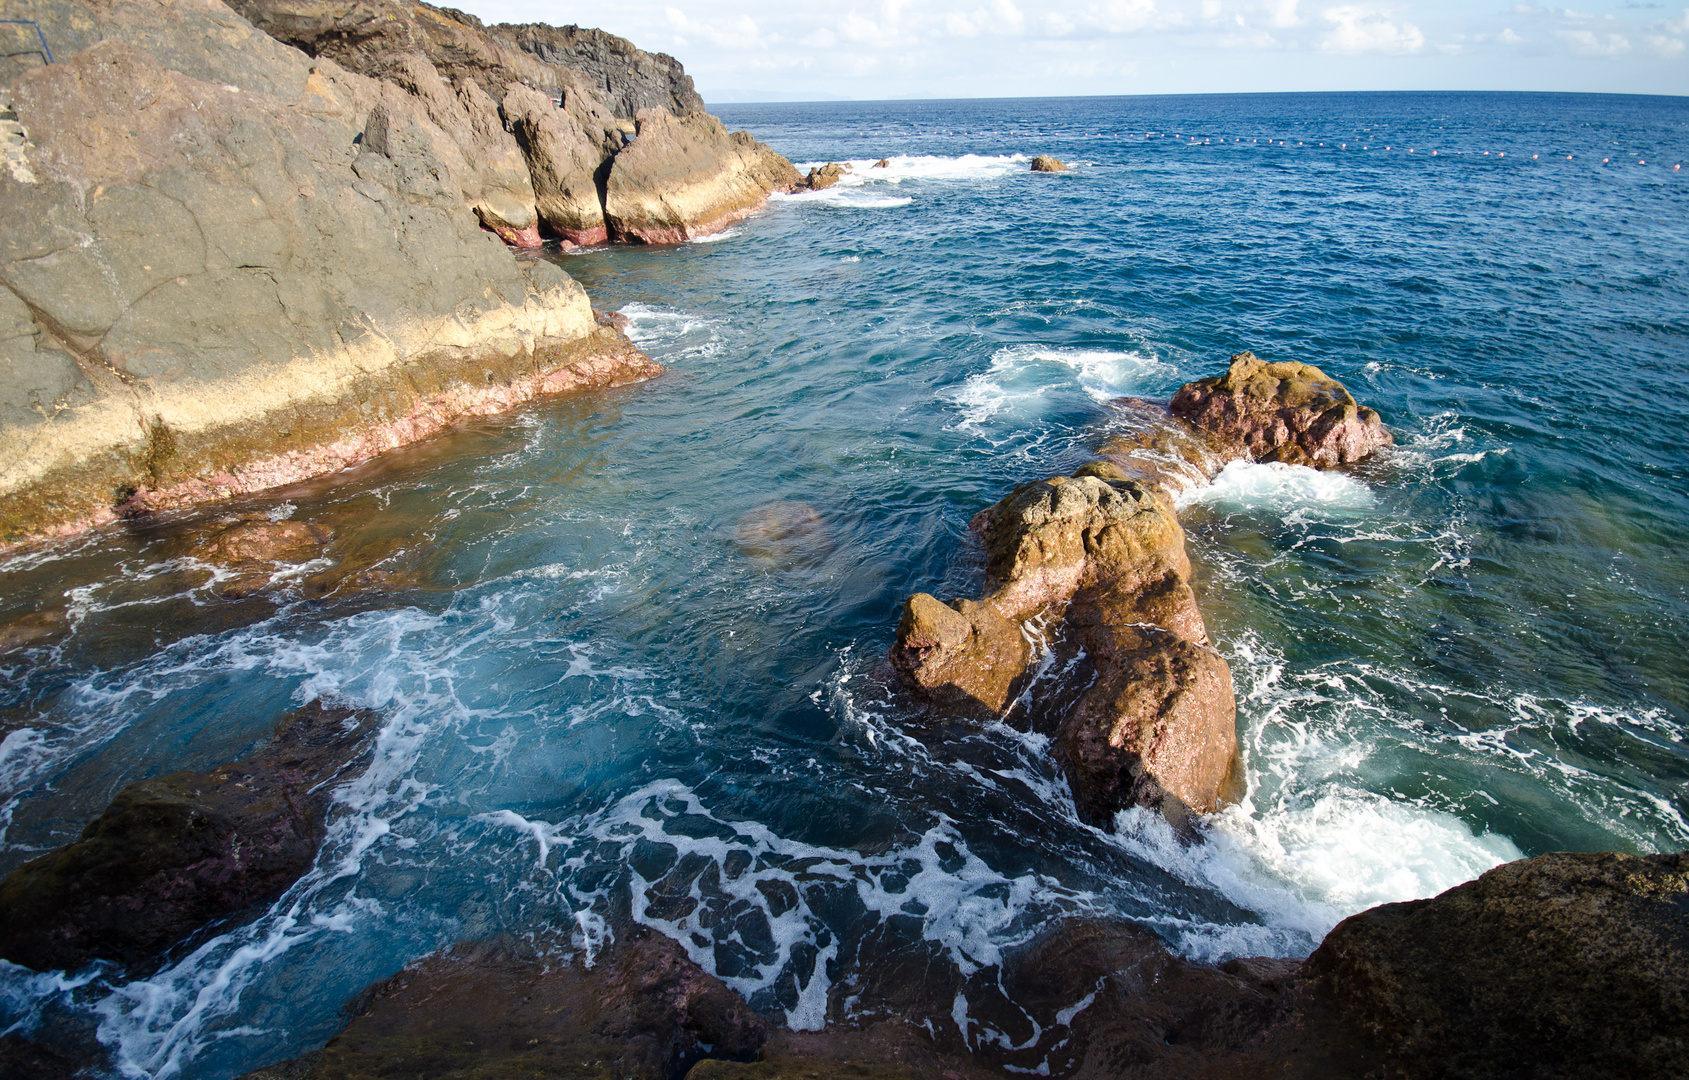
(496, 1008)
(1289, 412)
(1565, 965)
(172, 854)
(624, 77)
(688, 177)
(1102, 559)
(212, 290)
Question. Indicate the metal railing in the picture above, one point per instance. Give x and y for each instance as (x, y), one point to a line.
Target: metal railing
(44, 50)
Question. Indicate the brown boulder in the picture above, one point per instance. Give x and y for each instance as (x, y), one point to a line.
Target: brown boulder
(498, 1008)
(685, 178)
(172, 854)
(883, 163)
(1046, 163)
(825, 176)
(1565, 965)
(1102, 558)
(1289, 412)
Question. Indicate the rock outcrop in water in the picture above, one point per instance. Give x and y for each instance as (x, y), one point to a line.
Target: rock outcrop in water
(1289, 412)
(172, 854)
(1046, 163)
(1100, 560)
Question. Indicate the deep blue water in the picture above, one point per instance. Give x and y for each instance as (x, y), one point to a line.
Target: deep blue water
(618, 698)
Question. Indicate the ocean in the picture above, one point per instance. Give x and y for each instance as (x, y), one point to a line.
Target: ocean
(639, 677)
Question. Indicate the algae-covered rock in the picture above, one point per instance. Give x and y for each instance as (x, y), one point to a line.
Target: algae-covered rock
(684, 178)
(172, 854)
(1287, 411)
(497, 1008)
(1565, 965)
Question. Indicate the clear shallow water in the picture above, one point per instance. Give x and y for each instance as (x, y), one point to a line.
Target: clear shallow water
(638, 678)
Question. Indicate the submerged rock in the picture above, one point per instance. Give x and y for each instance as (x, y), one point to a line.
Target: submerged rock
(1046, 163)
(1565, 965)
(172, 854)
(1287, 411)
(687, 177)
(1100, 558)
(496, 1008)
(784, 533)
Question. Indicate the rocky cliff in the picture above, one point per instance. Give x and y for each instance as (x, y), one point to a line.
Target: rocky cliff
(228, 265)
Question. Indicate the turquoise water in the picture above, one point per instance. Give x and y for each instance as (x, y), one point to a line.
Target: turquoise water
(638, 676)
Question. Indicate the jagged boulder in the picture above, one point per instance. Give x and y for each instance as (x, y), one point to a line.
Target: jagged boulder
(642, 1010)
(687, 177)
(1565, 965)
(172, 854)
(1102, 558)
(1046, 163)
(1286, 411)
(825, 176)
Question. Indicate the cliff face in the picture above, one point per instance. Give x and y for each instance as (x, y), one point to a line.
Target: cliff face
(626, 78)
(257, 269)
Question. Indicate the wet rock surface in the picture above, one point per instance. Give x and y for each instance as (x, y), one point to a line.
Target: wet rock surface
(496, 1008)
(1287, 411)
(1046, 163)
(1100, 558)
(173, 854)
(1565, 965)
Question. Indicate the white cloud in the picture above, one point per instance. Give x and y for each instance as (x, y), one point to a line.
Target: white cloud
(740, 32)
(1508, 37)
(1677, 26)
(1588, 43)
(1356, 30)
(1664, 47)
(1282, 14)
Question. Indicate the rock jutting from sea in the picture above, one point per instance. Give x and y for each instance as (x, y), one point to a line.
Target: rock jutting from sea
(228, 266)
(1093, 568)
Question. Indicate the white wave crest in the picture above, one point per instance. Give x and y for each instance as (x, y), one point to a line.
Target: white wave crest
(1285, 491)
(1022, 377)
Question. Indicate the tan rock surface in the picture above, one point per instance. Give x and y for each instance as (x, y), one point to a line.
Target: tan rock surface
(685, 178)
(211, 291)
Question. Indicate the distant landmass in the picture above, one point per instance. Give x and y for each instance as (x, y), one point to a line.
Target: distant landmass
(733, 97)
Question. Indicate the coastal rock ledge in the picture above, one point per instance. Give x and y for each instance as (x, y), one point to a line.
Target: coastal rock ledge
(233, 267)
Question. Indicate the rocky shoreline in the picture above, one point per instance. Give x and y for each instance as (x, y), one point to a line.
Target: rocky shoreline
(230, 265)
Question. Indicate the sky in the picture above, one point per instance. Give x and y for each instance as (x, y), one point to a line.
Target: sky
(774, 50)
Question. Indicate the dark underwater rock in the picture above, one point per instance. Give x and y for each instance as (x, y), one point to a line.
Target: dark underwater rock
(495, 1008)
(1289, 412)
(1565, 965)
(1102, 558)
(174, 853)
